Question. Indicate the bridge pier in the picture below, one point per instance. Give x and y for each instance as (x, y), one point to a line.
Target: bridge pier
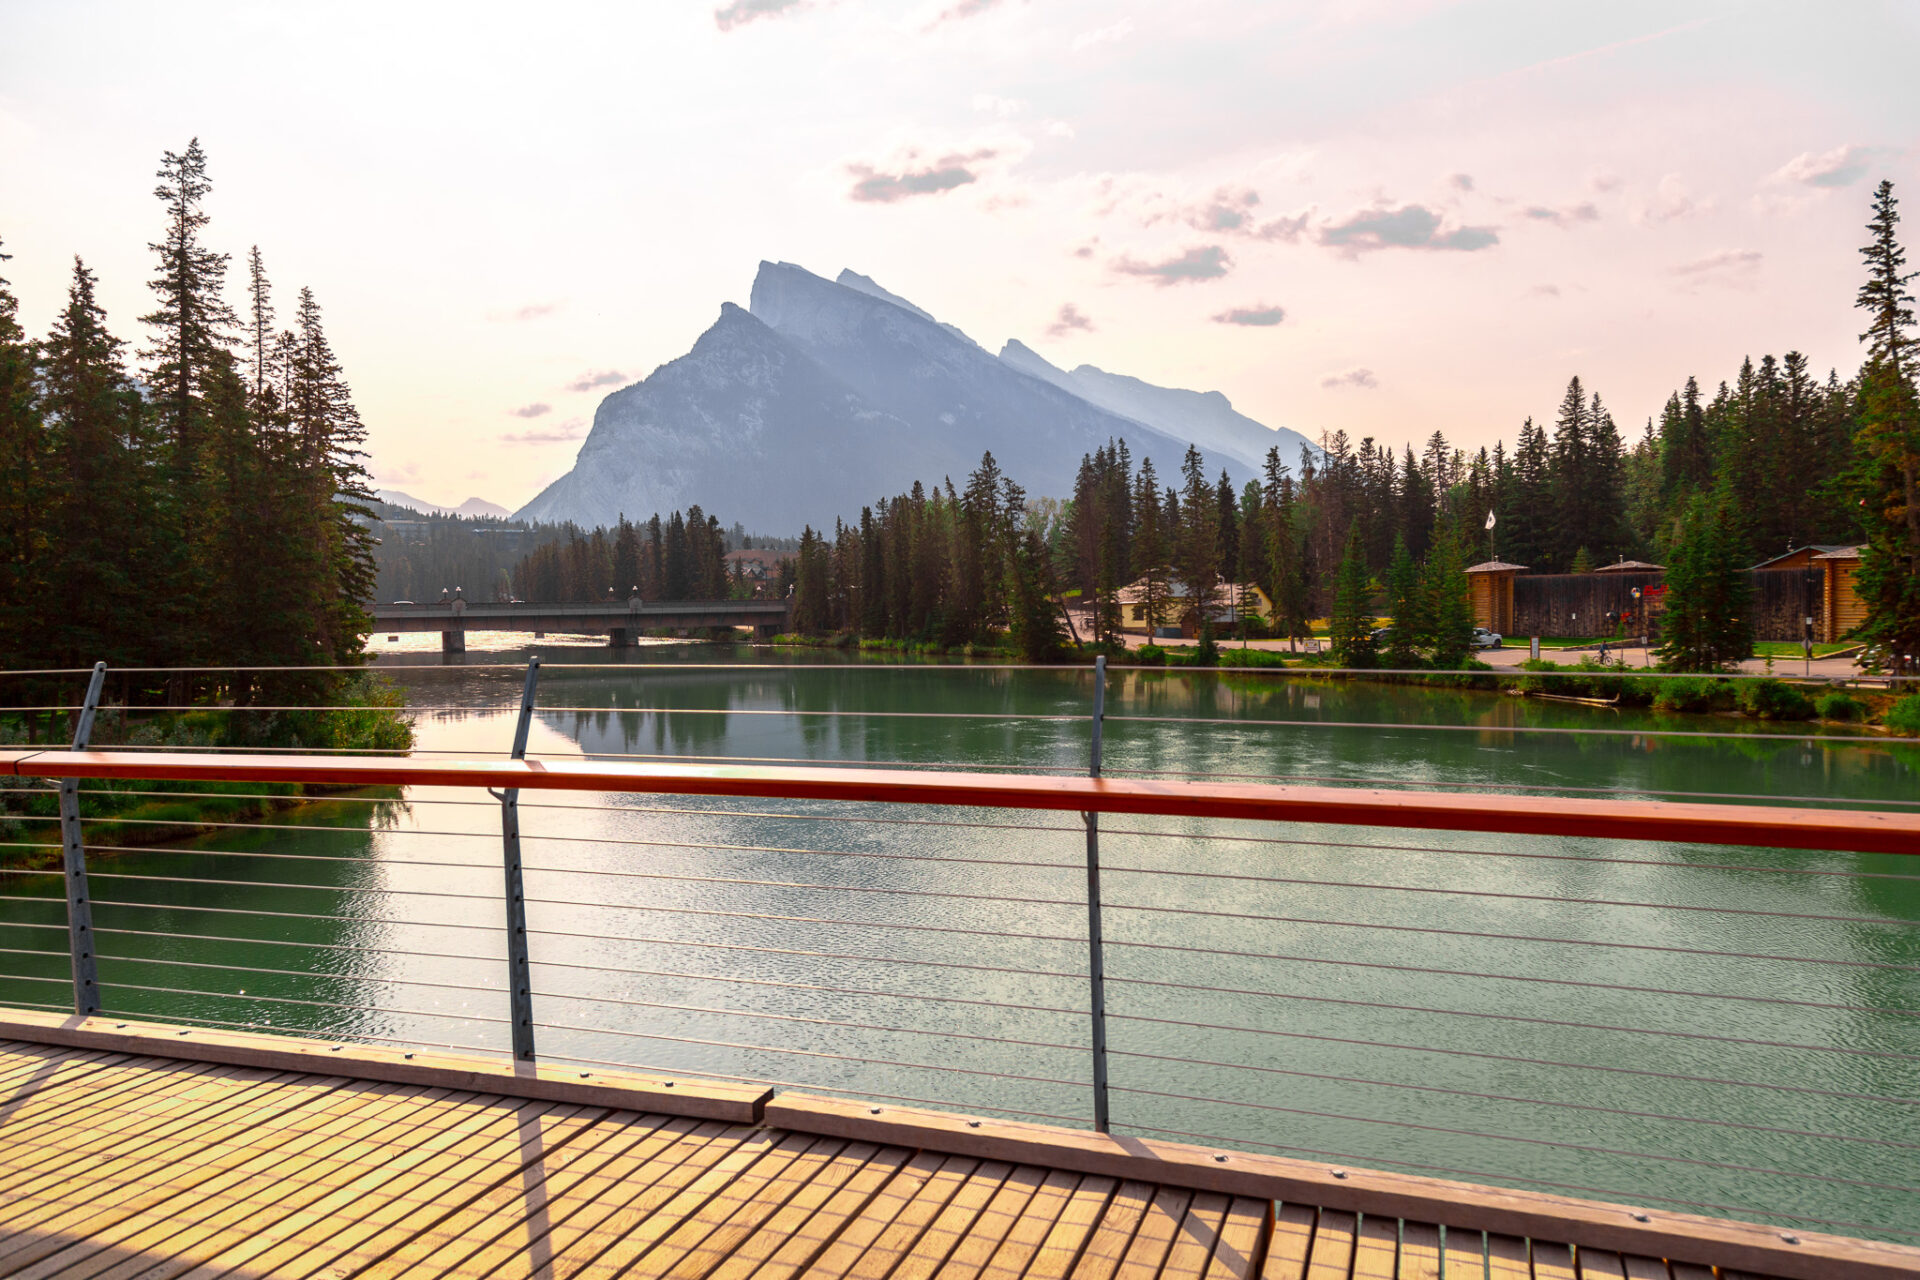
(453, 642)
(620, 638)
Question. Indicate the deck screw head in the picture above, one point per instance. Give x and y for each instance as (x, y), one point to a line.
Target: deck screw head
(119, 1026)
(1338, 1173)
(1790, 1239)
(406, 1055)
(1220, 1159)
(1641, 1217)
(873, 1111)
(585, 1074)
(973, 1124)
(668, 1084)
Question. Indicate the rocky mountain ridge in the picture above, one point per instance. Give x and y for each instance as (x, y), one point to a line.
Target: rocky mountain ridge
(827, 396)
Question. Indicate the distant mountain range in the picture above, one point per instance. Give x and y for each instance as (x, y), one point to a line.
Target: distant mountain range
(830, 395)
(471, 507)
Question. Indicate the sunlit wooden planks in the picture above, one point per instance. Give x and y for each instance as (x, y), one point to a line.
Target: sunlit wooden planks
(115, 1166)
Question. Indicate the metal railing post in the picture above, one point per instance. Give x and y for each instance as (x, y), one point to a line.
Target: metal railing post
(519, 974)
(86, 974)
(1096, 961)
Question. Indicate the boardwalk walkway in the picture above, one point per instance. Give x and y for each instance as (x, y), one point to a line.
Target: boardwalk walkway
(118, 1164)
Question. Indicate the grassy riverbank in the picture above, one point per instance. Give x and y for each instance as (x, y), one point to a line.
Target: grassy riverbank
(370, 717)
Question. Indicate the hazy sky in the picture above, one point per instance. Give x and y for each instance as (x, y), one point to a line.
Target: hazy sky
(1390, 218)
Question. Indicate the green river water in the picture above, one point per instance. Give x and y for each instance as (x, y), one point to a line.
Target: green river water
(1678, 1026)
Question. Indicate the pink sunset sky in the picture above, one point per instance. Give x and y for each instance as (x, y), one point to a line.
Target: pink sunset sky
(1386, 218)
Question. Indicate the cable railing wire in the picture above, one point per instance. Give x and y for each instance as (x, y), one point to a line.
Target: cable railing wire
(817, 1022)
(814, 1053)
(1589, 1148)
(318, 1004)
(735, 980)
(1604, 943)
(1534, 1020)
(306, 973)
(1626, 1112)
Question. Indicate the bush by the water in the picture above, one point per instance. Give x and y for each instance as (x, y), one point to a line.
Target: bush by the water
(1903, 717)
(1693, 695)
(369, 716)
(1774, 700)
(1835, 705)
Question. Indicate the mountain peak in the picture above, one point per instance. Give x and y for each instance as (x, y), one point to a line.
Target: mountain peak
(851, 279)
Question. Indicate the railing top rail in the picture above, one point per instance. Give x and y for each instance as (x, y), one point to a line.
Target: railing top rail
(1771, 826)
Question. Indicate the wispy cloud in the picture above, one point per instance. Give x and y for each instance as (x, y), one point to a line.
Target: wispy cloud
(532, 311)
(1461, 181)
(1070, 320)
(1209, 262)
(1728, 269)
(1362, 379)
(1563, 217)
(593, 379)
(1544, 291)
(1670, 202)
(873, 186)
(741, 12)
(1256, 317)
(531, 411)
(963, 10)
(1103, 35)
(1410, 226)
(1839, 167)
(559, 433)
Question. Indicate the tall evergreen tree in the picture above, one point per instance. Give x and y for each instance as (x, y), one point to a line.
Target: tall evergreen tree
(1406, 606)
(1886, 473)
(1351, 625)
(23, 538)
(1708, 621)
(1197, 547)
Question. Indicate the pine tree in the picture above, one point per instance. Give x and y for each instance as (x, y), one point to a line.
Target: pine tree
(1197, 547)
(1886, 473)
(1445, 598)
(1352, 621)
(1150, 555)
(23, 500)
(1406, 606)
(1708, 621)
(1037, 629)
(189, 328)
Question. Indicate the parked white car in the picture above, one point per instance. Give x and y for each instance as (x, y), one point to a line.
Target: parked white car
(1485, 639)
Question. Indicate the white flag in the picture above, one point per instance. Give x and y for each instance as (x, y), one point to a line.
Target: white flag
(1490, 520)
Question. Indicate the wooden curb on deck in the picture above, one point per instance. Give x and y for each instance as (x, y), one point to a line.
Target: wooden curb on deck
(627, 1090)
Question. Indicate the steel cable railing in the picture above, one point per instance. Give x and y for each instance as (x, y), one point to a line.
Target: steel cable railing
(953, 968)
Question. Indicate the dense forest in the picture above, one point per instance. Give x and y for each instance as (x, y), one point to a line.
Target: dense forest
(206, 510)
(1774, 458)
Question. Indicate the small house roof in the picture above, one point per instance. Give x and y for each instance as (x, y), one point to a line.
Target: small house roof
(1631, 566)
(1494, 566)
(1818, 548)
(1842, 553)
(1228, 593)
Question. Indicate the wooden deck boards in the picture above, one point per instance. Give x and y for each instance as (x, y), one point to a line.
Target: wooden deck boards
(116, 1166)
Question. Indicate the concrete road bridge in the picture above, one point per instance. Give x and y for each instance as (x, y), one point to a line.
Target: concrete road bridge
(622, 623)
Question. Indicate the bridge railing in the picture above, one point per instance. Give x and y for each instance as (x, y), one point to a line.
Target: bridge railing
(1699, 1006)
